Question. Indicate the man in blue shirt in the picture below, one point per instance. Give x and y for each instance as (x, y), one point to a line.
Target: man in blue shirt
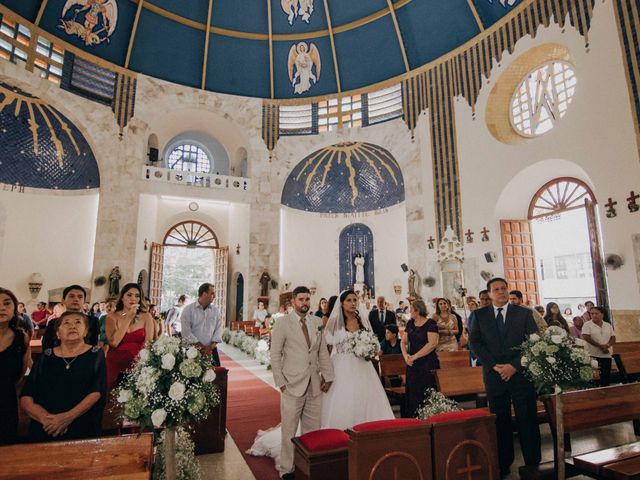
(201, 323)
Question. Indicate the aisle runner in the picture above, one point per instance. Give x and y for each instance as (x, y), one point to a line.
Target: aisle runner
(251, 405)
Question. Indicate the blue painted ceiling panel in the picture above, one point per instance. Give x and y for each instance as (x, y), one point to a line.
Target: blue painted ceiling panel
(490, 11)
(55, 155)
(242, 15)
(195, 10)
(306, 54)
(238, 67)
(357, 47)
(286, 18)
(102, 31)
(349, 11)
(431, 28)
(25, 8)
(176, 55)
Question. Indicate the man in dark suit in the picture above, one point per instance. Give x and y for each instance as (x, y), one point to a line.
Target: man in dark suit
(496, 333)
(379, 317)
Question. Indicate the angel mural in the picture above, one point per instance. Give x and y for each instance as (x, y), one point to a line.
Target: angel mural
(94, 21)
(505, 3)
(293, 8)
(302, 60)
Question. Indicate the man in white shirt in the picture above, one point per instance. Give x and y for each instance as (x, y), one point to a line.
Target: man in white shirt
(599, 338)
(201, 323)
(172, 322)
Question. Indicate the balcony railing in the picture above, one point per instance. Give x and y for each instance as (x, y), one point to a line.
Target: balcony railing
(192, 179)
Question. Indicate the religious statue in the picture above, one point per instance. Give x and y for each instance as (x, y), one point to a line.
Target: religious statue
(413, 279)
(264, 284)
(114, 282)
(359, 263)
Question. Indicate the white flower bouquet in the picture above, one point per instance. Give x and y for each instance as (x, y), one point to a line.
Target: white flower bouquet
(364, 344)
(435, 403)
(187, 467)
(169, 385)
(552, 359)
(226, 335)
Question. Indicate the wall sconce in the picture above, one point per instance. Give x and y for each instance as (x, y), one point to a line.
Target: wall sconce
(35, 284)
(397, 287)
(238, 249)
(313, 287)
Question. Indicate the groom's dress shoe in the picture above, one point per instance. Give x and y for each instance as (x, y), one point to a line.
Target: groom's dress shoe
(288, 476)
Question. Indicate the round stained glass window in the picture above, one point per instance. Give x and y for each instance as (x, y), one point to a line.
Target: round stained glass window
(542, 98)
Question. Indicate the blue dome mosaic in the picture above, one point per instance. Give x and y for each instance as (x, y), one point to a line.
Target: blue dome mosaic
(269, 49)
(345, 178)
(40, 147)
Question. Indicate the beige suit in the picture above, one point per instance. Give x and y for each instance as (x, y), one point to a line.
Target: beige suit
(300, 369)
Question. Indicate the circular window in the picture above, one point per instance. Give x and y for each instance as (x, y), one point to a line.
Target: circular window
(542, 98)
(189, 157)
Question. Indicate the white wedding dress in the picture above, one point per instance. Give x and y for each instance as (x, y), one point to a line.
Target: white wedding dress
(356, 396)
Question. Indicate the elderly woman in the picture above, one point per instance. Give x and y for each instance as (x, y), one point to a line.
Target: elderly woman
(65, 392)
(14, 359)
(127, 329)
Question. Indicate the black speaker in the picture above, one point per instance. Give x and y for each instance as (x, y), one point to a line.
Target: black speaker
(404, 267)
(153, 155)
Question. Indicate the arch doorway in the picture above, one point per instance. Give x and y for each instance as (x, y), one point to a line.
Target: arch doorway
(356, 239)
(555, 255)
(189, 255)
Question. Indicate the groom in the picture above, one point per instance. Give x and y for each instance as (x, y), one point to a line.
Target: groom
(302, 370)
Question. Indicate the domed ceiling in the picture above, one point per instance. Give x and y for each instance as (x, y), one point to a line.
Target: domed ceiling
(345, 178)
(40, 147)
(270, 49)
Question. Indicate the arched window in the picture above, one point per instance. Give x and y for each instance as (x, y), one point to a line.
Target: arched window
(189, 157)
(191, 234)
(559, 195)
(542, 98)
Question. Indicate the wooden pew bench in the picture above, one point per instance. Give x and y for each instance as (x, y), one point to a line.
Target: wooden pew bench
(626, 347)
(462, 383)
(592, 408)
(393, 366)
(128, 456)
(321, 454)
(458, 359)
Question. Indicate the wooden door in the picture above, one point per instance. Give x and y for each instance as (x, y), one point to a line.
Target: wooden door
(519, 258)
(597, 258)
(156, 268)
(220, 266)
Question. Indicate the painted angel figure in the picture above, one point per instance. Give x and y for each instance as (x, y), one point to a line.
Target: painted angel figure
(293, 8)
(302, 59)
(105, 11)
(505, 3)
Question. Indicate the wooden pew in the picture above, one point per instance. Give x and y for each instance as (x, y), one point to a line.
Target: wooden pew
(128, 456)
(626, 347)
(321, 454)
(458, 359)
(462, 383)
(209, 435)
(390, 449)
(613, 405)
(628, 364)
(393, 365)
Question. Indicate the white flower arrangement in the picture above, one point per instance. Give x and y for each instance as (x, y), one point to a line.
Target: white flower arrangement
(435, 403)
(170, 385)
(187, 467)
(364, 344)
(551, 359)
(258, 349)
(226, 335)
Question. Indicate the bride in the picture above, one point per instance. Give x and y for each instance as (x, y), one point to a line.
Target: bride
(356, 395)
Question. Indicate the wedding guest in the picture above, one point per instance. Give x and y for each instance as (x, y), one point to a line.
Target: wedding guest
(172, 321)
(86, 308)
(323, 309)
(553, 317)
(65, 391)
(280, 313)
(157, 321)
(447, 326)
(201, 322)
(390, 344)
(24, 321)
(73, 297)
(14, 360)
(588, 305)
(472, 305)
(379, 317)
(400, 309)
(127, 330)
(110, 307)
(576, 329)
(58, 309)
(452, 309)
(484, 297)
(259, 314)
(40, 316)
(540, 310)
(95, 310)
(418, 347)
(568, 312)
(599, 337)
(516, 298)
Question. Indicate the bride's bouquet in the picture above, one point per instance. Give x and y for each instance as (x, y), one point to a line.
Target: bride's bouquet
(364, 344)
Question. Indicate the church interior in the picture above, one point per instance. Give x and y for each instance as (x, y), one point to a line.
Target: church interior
(405, 149)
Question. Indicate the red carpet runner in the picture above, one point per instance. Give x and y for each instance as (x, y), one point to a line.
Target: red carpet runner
(251, 405)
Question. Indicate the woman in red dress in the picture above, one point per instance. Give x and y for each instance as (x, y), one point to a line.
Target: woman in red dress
(127, 329)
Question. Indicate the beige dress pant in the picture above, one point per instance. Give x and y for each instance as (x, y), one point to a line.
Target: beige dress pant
(293, 410)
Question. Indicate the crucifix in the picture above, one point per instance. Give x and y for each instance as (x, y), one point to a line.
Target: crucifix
(430, 241)
(632, 205)
(469, 235)
(468, 469)
(610, 205)
(484, 232)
